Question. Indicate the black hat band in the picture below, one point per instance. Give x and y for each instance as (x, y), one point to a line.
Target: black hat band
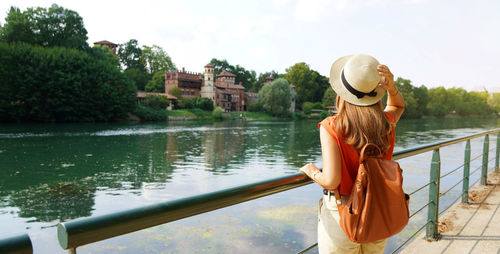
(355, 92)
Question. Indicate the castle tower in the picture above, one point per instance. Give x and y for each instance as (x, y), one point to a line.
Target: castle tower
(208, 88)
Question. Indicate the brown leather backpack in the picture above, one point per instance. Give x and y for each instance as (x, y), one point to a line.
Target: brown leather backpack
(377, 207)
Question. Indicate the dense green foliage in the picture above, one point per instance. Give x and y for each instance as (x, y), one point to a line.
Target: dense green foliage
(217, 113)
(494, 102)
(175, 91)
(150, 114)
(276, 97)
(310, 85)
(307, 107)
(157, 83)
(143, 66)
(262, 78)
(155, 59)
(156, 102)
(59, 84)
(53, 27)
(257, 107)
(138, 77)
(438, 102)
(130, 55)
(197, 102)
(329, 98)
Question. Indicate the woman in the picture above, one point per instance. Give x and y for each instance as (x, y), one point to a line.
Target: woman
(360, 83)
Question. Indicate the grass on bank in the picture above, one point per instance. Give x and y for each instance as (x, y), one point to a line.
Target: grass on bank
(149, 114)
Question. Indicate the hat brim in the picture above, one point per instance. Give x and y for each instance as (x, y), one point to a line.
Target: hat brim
(339, 88)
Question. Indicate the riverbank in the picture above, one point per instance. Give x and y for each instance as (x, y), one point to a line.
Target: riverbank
(203, 115)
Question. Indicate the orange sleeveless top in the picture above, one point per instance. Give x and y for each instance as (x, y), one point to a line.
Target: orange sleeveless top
(348, 154)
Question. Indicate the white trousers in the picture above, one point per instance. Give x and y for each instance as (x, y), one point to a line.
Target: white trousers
(331, 237)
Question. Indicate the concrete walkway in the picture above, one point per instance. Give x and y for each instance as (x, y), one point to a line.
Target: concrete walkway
(473, 228)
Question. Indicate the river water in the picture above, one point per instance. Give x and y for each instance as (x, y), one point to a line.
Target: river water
(58, 172)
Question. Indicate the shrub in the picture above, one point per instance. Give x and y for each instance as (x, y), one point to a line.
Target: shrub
(257, 107)
(307, 107)
(197, 111)
(149, 114)
(175, 91)
(318, 105)
(324, 114)
(156, 102)
(217, 113)
(201, 103)
(61, 85)
(299, 115)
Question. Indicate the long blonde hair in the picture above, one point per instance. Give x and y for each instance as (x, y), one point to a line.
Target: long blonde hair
(360, 125)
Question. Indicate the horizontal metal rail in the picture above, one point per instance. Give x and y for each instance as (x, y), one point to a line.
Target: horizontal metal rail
(429, 147)
(19, 244)
(88, 230)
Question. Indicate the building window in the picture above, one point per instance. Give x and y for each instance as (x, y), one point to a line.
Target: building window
(223, 105)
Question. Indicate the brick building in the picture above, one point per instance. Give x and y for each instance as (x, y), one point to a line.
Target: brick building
(222, 90)
(108, 44)
(229, 96)
(190, 83)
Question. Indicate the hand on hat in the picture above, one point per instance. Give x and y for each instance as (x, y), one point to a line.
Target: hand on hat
(386, 78)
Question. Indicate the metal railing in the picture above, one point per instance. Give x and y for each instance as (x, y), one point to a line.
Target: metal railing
(19, 244)
(79, 232)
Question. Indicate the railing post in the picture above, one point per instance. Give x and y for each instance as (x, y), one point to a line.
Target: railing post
(498, 153)
(484, 171)
(465, 186)
(433, 212)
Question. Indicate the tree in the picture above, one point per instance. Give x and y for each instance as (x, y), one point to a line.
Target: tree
(138, 77)
(105, 53)
(175, 91)
(329, 98)
(406, 89)
(130, 55)
(246, 77)
(262, 78)
(51, 27)
(494, 102)
(310, 85)
(60, 85)
(422, 96)
(156, 101)
(17, 28)
(276, 97)
(157, 83)
(156, 59)
(439, 104)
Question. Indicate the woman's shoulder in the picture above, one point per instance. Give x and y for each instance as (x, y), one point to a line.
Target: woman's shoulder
(328, 121)
(329, 125)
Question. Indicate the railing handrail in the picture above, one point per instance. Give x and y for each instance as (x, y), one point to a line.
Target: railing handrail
(18, 244)
(83, 231)
(429, 147)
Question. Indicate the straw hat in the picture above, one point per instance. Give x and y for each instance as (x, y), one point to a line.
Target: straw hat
(355, 79)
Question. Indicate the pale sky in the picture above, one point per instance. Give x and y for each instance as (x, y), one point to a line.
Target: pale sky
(433, 43)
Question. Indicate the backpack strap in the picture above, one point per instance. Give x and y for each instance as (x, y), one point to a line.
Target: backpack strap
(337, 196)
(362, 154)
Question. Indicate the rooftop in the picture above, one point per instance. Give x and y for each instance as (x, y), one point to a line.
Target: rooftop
(104, 42)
